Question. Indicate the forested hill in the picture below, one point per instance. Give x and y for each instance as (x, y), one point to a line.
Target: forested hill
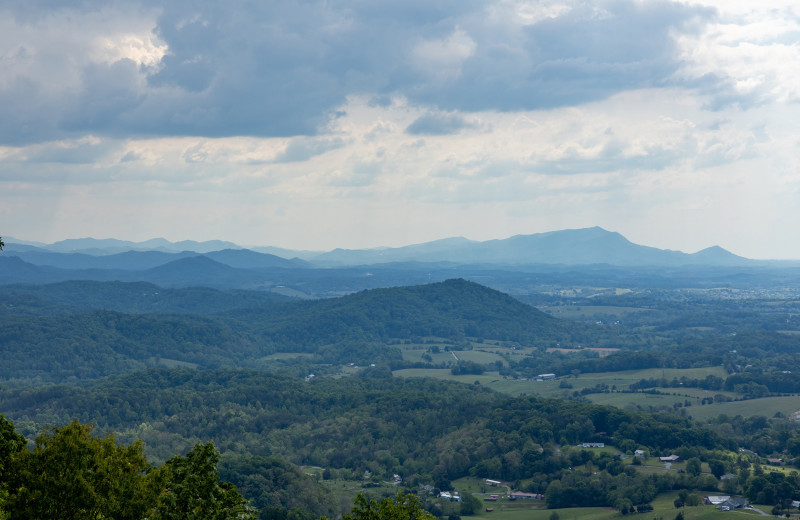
(78, 296)
(362, 328)
(454, 309)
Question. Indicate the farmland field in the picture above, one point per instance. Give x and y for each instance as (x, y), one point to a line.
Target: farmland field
(767, 406)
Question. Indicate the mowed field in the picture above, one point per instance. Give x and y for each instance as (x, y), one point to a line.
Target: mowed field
(618, 381)
(553, 388)
(482, 353)
(767, 406)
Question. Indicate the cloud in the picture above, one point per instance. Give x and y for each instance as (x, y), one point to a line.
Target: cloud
(302, 149)
(439, 124)
(747, 59)
(282, 69)
(82, 152)
(442, 59)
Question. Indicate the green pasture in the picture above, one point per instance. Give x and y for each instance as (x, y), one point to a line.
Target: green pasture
(767, 406)
(479, 356)
(667, 397)
(631, 376)
(489, 379)
(620, 380)
(552, 388)
(637, 400)
(698, 393)
(484, 356)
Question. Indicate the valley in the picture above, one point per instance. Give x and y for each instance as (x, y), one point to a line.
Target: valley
(442, 384)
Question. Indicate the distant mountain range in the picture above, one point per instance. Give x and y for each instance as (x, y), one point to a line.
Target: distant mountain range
(108, 246)
(567, 247)
(586, 257)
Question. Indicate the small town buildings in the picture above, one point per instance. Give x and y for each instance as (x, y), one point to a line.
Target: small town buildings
(526, 496)
(732, 504)
(592, 445)
(725, 503)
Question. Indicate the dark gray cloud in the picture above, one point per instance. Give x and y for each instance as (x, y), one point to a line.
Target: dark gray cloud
(588, 54)
(282, 68)
(438, 124)
(302, 149)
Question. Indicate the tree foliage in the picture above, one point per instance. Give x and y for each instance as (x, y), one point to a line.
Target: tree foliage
(401, 507)
(72, 474)
(192, 490)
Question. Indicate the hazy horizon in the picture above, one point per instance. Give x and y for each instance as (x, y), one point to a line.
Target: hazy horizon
(312, 250)
(317, 126)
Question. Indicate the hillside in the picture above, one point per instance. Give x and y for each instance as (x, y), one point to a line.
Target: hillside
(80, 296)
(453, 309)
(361, 328)
(435, 430)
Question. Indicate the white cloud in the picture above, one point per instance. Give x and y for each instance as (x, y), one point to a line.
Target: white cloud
(753, 50)
(441, 59)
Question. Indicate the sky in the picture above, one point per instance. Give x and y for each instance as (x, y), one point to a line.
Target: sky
(310, 124)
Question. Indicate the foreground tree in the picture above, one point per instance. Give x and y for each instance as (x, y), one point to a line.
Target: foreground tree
(402, 507)
(192, 490)
(11, 443)
(71, 474)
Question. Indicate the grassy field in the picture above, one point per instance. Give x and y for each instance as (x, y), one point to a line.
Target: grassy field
(668, 397)
(483, 354)
(767, 406)
(631, 376)
(552, 388)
